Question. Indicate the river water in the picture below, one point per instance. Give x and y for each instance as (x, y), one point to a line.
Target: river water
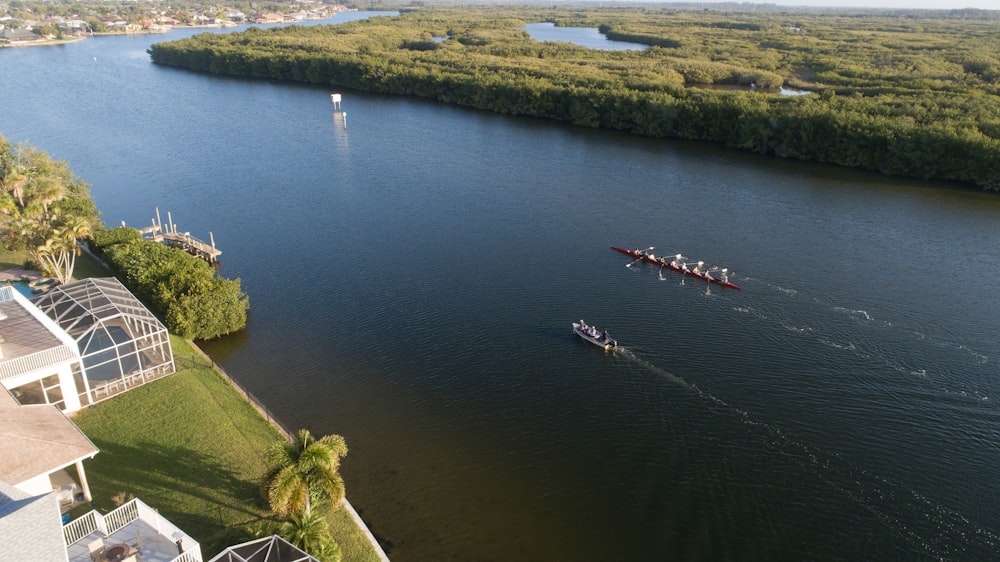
(413, 270)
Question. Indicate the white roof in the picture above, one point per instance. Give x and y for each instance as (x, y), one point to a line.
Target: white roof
(31, 527)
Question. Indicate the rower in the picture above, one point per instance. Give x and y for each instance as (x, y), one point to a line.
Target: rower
(697, 268)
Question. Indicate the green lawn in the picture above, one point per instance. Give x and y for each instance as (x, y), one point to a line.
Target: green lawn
(86, 266)
(190, 445)
(10, 259)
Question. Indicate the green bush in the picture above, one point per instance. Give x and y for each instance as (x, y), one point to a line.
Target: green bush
(183, 290)
(103, 238)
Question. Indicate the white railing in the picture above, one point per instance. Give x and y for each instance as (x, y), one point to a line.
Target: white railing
(80, 527)
(189, 556)
(35, 361)
(121, 516)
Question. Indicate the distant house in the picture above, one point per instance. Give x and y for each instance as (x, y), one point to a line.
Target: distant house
(270, 17)
(74, 25)
(19, 36)
(236, 15)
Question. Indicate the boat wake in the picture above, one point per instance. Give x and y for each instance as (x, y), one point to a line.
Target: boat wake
(884, 343)
(943, 532)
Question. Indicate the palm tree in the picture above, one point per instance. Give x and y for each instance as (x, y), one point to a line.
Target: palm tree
(57, 255)
(304, 468)
(311, 533)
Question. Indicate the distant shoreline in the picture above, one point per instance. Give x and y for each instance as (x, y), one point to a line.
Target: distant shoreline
(42, 42)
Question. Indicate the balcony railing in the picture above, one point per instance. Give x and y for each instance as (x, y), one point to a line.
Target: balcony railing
(131, 512)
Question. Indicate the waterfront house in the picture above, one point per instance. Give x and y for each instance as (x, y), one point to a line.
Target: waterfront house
(37, 444)
(120, 342)
(270, 17)
(9, 35)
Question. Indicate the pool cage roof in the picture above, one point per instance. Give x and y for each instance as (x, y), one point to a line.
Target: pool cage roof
(89, 307)
(118, 338)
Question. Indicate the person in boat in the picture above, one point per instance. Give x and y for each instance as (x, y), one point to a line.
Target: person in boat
(605, 336)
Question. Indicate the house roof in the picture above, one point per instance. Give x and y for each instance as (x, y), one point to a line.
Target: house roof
(28, 339)
(80, 305)
(36, 440)
(19, 34)
(30, 526)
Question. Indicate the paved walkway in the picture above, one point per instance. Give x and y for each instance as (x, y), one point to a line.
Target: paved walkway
(20, 274)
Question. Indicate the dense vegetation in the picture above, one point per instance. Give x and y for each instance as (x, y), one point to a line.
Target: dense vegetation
(906, 94)
(183, 290)
(44, 209)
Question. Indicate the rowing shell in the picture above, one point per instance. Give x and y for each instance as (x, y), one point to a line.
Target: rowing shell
(639, 255)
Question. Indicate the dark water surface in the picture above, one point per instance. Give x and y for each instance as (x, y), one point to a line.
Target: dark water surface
(413, 274)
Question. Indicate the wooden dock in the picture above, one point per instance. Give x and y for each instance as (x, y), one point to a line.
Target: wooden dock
(183, 240)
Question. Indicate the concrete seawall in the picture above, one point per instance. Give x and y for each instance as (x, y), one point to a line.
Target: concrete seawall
(264, 413)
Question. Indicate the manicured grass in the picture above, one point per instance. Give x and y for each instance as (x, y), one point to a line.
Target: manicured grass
(190, 446)
(87, 266)
(10, 259)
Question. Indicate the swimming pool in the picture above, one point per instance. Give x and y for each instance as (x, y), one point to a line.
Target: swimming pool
(22, 287)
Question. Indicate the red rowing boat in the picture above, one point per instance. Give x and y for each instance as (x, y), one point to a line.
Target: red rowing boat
(663, 262)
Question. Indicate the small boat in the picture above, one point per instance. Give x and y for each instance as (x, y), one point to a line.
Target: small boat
(597, 337)
(679, 267)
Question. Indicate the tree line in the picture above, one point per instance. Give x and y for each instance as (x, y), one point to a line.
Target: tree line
(916, 97)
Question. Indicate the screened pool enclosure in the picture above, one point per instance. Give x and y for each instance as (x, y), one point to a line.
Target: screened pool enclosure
(121, 343)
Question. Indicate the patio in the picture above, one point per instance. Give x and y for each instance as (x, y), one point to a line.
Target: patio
(134, 524)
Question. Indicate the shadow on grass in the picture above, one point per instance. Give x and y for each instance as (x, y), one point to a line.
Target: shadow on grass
(193, 491)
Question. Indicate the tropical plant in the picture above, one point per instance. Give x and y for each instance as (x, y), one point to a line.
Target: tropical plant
(57, 255)
(311, 533)
(303, 471)
(44, 208)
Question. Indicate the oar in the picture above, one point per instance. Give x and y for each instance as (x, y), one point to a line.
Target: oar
(639, 259)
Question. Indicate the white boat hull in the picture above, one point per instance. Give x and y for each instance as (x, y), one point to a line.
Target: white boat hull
(598, 340)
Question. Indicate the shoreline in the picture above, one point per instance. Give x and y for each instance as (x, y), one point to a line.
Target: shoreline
(281, 429)
(42, 42)
(261, 411)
